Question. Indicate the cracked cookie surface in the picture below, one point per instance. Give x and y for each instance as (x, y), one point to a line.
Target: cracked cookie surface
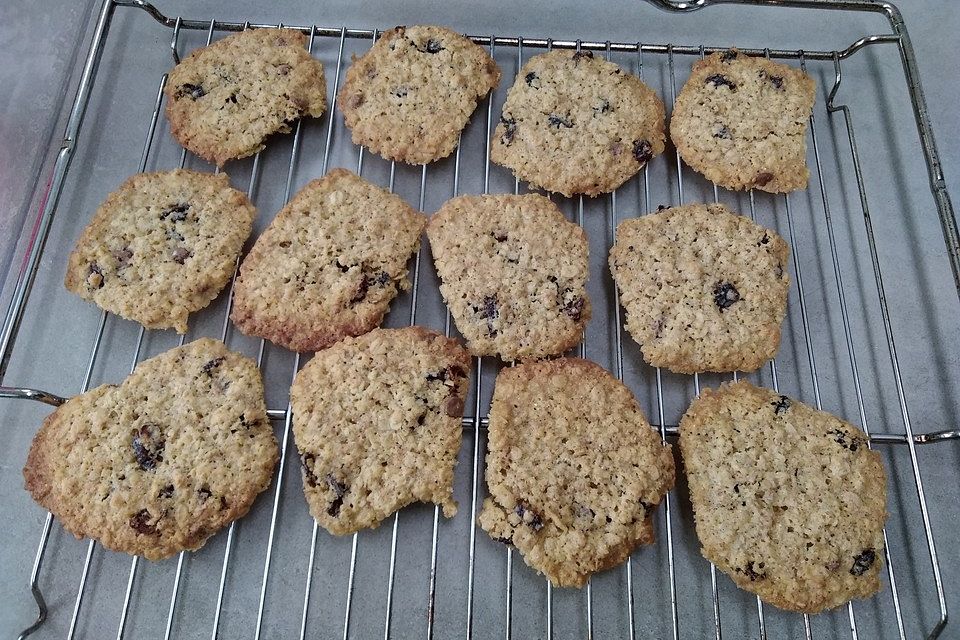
(704, 289)
(513, 271)
(377, 423)
(328, 265)
(574, 470)
(161, 246)
(574, 123)
(162, 461)
(411, 95)
(223, 100)
(741, 121)
(789, 501)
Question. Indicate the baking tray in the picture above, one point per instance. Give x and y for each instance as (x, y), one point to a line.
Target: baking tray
(274, 574)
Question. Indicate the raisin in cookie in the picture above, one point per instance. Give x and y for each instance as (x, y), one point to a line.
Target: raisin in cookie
(411, 95)
(377, 422)
(161, 246)
(163, 461)
(329, 264)
(513, 271)
(704, 288)
(223, 100)
(574, 470)
(789, 501)
(573, 123)
(742, 122)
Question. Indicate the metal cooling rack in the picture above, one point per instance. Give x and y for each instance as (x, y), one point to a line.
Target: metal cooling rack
(419, 576)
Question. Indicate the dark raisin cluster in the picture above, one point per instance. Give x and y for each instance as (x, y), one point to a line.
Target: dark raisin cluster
(380, 279)
(448, 374)
(642, 151)
(176, 213)
(718, 80)
(574, 308)
(763, 178)
(339, 490)
(306, 465)
(195, 91)
(433, 46)
(528, 516)
(453, 406)
(845, 440)
(140, 522)
(180, 255)
(209, 367)
(489, 310)
(863, 561)
(725, 295)
(752, 572)
(776, 81)
(510, 129)
(453, 403)
(148, 444)
(780, 406)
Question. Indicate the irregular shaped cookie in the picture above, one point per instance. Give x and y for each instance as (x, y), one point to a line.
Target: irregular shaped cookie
(789, 501)
(704, 288)
(574, 470)
(377, 422)
(411, 95)
(161, 246)
(513, 271)
(742, 122)
(163, 461)
(223, 100)
(329, 264)
(573, 123)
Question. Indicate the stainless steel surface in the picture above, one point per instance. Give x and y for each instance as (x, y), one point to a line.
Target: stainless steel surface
(34, 76)
(424, 576)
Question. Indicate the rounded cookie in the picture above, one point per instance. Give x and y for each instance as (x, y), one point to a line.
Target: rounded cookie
(329, 264)
(223, 100)
(704, 288)
(574, 470)
(574, 123)
(161, 246)
(789, 501)
(411, 95)
(741, 121)
(377, 422)
(513, 271)
(161, 462)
